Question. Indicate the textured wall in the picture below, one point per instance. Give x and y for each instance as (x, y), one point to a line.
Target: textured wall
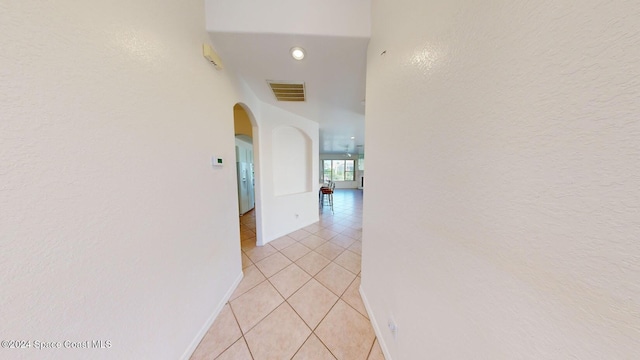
(113, 224)
(509, 227)
(278, 210)
(291, 157)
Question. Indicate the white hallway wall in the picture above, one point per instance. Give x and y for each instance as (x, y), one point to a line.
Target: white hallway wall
(114, 226)
(279, 211)
(521, 240)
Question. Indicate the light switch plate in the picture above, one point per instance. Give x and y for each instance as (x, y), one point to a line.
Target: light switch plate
(216, 161)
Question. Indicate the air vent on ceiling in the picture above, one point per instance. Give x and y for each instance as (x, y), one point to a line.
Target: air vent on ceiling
(287, 91)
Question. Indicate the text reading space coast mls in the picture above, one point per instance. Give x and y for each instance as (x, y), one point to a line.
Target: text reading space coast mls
(66, 344)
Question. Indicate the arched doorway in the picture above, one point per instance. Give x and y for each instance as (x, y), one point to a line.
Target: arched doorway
(247, 171)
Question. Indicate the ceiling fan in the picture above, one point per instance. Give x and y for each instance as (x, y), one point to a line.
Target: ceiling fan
(346, 151)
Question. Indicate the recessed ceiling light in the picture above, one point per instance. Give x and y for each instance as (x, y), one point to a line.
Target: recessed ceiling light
(353, 138)
(297, 53)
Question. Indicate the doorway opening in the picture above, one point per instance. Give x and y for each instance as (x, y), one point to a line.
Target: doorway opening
(245, 129)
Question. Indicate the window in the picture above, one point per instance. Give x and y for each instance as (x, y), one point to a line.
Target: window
(338, 170)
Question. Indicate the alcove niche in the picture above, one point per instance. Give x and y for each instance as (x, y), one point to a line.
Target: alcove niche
(291, 161)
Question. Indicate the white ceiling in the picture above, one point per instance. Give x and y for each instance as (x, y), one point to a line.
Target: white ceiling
(333, 71)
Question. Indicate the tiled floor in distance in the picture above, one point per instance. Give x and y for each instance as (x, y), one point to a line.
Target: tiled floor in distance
(299, 297)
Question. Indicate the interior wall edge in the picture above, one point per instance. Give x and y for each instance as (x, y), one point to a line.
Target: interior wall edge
(203, 331)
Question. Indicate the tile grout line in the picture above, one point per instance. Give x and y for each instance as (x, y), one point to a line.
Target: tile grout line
(371, 348)
(264, 317)
(251, 288)
(247, 345)
(301, 345)
(241, 335)
(320, 322)
(339, 297)
(350, 223)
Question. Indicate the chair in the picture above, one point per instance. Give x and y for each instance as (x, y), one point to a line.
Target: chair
(328, 192)
(326, 184)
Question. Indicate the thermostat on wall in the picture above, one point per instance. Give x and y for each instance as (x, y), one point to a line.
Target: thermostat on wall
(216, 161)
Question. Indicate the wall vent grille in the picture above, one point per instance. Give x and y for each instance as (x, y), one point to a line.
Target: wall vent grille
(287, 91)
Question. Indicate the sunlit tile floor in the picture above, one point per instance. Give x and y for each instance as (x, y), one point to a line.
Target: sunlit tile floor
(299, 297)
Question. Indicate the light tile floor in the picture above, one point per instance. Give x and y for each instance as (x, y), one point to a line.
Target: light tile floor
(299, 297)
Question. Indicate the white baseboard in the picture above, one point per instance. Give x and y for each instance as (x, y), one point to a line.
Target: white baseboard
(374, 323)
(279, 235)
(196, 341)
